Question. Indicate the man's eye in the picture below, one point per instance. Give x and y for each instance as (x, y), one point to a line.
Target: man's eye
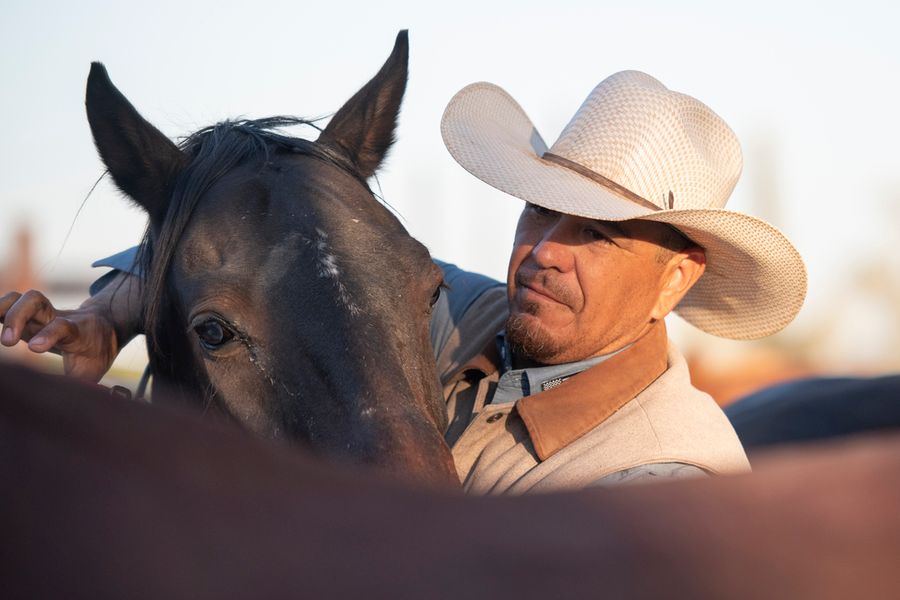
(596, 235)
(540, 210)
(213, 334)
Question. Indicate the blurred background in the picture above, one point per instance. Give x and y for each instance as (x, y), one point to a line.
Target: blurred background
(811, 88)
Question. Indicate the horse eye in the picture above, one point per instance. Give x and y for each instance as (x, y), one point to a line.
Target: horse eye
(213, 334)
(437, 292)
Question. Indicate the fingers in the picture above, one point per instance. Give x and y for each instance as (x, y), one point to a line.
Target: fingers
(7, 339)
(85, 337)
(20, 314)
(60, 333)
(6, 301)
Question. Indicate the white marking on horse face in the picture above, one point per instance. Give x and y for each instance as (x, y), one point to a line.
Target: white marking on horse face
(328, 266)
(328, 269)
(281, 260)
(368, 411)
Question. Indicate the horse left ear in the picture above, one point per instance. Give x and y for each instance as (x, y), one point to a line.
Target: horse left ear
(141, 159)
(364, 126)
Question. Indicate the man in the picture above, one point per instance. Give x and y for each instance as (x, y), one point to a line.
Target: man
(565, 378)
(623, 216)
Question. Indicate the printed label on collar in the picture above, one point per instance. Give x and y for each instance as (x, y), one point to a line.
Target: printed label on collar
(552, 383)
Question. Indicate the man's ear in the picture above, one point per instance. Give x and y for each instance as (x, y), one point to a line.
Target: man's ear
(679, 275)
(142, 161)
(364, 127)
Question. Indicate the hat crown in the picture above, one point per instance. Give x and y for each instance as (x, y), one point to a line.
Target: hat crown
(654, 142)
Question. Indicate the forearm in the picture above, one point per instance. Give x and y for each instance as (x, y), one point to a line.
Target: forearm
(119, 302)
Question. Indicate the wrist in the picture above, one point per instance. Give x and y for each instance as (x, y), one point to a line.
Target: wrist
(118, 305)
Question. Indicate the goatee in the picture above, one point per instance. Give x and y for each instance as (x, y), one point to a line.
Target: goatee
(527, 340)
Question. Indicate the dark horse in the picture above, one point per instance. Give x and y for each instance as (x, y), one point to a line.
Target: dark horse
(816, 409)
(277, 289)
(110, 499)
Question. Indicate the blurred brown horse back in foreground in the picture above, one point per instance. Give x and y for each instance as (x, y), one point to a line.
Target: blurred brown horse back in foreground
(105, 498)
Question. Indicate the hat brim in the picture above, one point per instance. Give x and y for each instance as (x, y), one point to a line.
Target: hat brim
(755, 280)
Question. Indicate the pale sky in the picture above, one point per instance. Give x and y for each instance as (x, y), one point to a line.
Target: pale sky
(811, 88)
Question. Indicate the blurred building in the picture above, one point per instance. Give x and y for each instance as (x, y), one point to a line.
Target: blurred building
(17, 273)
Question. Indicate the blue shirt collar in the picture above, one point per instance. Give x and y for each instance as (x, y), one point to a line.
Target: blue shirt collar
(518, 383)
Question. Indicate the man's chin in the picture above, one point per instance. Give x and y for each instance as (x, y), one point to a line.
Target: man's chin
(528, 338)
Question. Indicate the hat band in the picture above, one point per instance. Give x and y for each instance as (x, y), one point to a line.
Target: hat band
(598, 178)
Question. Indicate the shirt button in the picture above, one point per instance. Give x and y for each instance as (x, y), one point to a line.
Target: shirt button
(495, 417)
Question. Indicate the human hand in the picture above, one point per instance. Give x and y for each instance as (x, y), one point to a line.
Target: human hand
(85, 337)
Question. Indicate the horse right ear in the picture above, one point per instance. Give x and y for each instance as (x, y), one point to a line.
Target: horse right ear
(142, 161)
(364, 127)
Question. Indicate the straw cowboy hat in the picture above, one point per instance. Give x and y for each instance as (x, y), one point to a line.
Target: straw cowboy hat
(637, 150)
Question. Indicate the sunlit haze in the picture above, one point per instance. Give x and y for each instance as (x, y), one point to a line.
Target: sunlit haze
(811, 88)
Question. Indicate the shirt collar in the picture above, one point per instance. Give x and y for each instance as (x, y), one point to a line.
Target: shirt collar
(560, 415)
(516, 383)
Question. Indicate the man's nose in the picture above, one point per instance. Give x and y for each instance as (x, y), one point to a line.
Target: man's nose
(554, 249)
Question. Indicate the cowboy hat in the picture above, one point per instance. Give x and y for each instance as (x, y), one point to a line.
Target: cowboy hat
(637, 150)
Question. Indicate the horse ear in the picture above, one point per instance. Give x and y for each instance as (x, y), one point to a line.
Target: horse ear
(364, 126)
(142, 161)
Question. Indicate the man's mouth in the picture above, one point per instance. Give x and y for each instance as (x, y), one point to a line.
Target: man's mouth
(536, 293)
(536, 287)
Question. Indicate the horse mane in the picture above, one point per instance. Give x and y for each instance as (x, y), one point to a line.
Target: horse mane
(212, 152)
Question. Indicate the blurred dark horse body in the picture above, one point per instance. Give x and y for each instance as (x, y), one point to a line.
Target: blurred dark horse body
(110, 499)
(816, 409)
(278, 291)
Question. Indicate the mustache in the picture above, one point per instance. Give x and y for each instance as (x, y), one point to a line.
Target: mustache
(545, 282)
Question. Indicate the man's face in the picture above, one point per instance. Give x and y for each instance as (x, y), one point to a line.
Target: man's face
(579, 288)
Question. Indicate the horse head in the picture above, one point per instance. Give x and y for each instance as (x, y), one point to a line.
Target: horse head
(277, 289)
